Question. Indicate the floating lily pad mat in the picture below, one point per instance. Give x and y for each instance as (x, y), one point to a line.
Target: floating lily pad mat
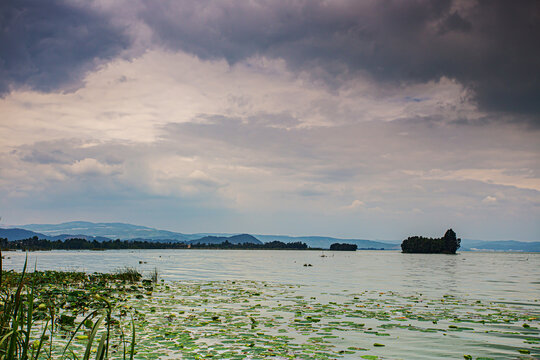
(256, 320)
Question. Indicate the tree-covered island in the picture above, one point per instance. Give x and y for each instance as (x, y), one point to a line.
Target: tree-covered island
(343, 247)
(448, 244)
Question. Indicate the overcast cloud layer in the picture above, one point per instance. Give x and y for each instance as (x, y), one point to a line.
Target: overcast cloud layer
(369, 119)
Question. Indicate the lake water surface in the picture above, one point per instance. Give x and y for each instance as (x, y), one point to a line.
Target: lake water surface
(469, 289)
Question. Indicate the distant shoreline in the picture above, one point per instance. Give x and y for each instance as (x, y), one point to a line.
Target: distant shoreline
(208, 248)
(35, 244)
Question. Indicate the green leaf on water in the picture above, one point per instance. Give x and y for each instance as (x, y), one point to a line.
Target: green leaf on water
(357, 348)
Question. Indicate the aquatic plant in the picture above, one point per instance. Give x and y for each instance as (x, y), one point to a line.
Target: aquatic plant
(154, 275)
(19, 315)
(129, 274)
(16, 322)
(255, 320)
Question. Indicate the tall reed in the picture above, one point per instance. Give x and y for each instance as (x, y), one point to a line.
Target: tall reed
(17, 320)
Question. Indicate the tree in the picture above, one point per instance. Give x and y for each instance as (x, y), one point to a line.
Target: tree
(343, 247)
(451, 242)
(448, 244)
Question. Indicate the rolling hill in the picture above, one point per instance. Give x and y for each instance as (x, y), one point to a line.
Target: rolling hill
(235, 239)
(120, 231)
(20, 234)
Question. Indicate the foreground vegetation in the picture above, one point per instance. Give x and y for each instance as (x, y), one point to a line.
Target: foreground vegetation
(253, 320)
(65, 315)
(262, 320)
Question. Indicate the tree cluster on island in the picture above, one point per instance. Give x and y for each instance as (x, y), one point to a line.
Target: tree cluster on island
(343, 247)
(448, 244)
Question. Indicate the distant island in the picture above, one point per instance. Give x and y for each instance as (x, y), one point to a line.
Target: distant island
(343, 247)
(448, 244)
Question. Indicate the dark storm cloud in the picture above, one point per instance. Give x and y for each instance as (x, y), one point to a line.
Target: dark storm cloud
(49, 45)
(491, 47)
(68, 151)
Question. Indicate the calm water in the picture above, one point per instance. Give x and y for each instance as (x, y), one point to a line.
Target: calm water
(496, 276)
(500, 279)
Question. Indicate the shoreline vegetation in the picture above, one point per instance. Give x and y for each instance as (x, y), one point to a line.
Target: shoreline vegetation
(448, 244)
(35, 244)
(68, 315)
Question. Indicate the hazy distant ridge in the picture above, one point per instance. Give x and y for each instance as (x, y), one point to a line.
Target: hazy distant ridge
(235, 239)
(135, 232)
(113, 231)
(21, 234)
(503, 245)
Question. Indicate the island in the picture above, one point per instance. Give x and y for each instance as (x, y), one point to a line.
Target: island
(448, 244)
(343, 247)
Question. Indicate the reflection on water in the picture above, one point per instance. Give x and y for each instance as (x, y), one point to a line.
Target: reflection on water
(495, 276)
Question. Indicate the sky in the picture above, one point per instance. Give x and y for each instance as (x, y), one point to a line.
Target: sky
(374, 119)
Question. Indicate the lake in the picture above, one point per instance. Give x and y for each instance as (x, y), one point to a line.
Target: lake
(413, 306)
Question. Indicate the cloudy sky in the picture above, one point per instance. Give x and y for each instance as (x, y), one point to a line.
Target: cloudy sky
(372, 119)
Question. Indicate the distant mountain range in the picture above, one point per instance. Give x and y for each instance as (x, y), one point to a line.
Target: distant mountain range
(108, 230)
(135, 232)
(504, 245)
(19, 234)
(122, 231)
(235, 239)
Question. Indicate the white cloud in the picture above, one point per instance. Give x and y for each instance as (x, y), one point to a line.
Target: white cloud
(129, 100)
(489, 176)
(355, 205)
(90, 167)
(261, 142)
(489, 199)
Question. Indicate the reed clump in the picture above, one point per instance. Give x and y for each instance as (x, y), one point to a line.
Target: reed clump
(38, 309)
(128, 274)
(154, 275)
